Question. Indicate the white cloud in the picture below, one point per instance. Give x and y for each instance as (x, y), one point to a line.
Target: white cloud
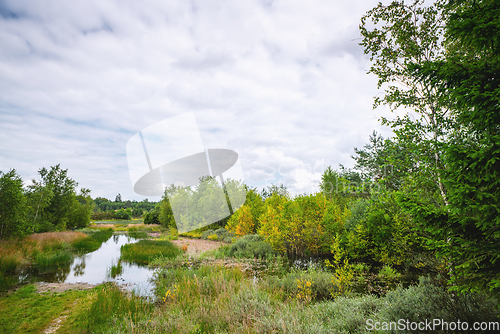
(282, 83)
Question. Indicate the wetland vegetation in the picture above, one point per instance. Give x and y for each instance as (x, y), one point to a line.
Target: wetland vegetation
(410, 232)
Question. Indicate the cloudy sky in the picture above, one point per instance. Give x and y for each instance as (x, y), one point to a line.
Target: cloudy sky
(282, 83)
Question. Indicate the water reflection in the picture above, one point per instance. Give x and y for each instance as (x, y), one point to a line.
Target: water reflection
(97, 267)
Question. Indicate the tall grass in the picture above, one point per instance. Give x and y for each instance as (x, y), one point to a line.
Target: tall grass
(110, 303)
(41, 250)
(144, 251)
(213, 299)
(8, 266)
(46, 260)
(94, 240)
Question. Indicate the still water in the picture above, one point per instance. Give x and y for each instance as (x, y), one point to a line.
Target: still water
(95, 268)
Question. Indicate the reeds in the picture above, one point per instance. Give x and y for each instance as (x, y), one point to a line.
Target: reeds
(94, 240)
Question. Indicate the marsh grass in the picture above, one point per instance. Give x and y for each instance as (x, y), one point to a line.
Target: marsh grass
(144, 251)
(116, 270)
(39, 250)
(93, 241)
(46, 260)
(213, 299)
(109, 303)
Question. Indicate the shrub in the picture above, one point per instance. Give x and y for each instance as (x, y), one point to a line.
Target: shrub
(242, 222)
(251, 246)
(429, 300)
(206, 234)
(219, 234)
(303, 226)
(303, 286)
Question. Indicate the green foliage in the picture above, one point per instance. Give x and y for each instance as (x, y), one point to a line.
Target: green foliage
(125, 214)
(12, 205)
(246, 219)
(51, 199)
(274, 189)
(166, 216)
(251, 246)
(105, 209)
(144, 251)
(202, 205)
(397, 36)
(116, 270)
(152, 217)
(81, 211)
(385, 234)
(468, 79)
(383, 162)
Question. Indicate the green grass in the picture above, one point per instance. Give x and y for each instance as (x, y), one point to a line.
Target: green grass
(144, 251)
(26, 311)
(90, 311)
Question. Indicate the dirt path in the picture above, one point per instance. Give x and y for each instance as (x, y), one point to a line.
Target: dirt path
(197, 246)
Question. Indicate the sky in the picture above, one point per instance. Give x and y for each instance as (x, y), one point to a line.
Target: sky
(282, 83)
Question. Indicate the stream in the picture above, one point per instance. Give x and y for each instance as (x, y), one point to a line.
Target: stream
(95, 268)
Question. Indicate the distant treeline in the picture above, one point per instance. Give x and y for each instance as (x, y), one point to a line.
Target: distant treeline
(107, 209)
(51, 203)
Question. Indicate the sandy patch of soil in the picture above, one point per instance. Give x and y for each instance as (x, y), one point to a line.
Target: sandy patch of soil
(61, 287)
(197, 246)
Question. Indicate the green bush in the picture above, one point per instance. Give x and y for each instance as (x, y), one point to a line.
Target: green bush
(251, 246)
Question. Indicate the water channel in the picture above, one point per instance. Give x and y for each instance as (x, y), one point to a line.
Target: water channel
(95, 268)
